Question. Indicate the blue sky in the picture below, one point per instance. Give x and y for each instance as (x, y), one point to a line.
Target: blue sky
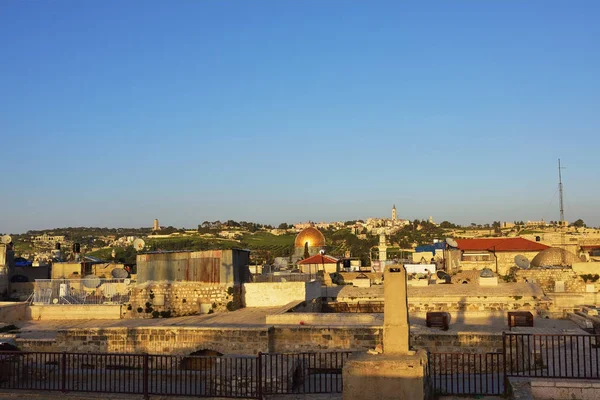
(114, 113)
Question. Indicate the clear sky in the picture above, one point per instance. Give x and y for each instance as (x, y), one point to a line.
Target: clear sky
(113, 113)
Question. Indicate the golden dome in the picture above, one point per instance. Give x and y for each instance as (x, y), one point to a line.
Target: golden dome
(554, 257)
(311, 235)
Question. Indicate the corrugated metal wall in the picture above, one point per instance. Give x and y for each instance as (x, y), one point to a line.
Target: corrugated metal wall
(213, 266)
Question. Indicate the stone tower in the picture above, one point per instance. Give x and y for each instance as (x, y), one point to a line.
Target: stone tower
(394, 215)
(156, 227)
(382, 247)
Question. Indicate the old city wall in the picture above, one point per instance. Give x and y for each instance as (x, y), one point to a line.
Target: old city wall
(167, 298)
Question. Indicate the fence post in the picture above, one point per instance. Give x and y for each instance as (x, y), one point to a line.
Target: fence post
(63, 372)
(259, 385)
(146, 377)
(504, 359)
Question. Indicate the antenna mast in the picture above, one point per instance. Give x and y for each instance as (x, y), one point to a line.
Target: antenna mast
(560, 190)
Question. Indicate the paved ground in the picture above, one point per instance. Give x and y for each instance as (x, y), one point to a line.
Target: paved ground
(243, 318)
(468, 322)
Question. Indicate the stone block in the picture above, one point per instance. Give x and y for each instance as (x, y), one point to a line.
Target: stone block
(489, 281)
(384, 377)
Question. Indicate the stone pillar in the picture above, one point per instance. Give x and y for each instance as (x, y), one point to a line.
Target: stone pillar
(398, 373)
(395, 311)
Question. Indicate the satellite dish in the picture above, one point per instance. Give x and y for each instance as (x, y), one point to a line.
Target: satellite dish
(451, 242)
(127, 281)
(322, 252)
(442, 276)
(119, 273)
(6, 239)
(139, 244)
(55, 301)
(522, 261)
(91, 281)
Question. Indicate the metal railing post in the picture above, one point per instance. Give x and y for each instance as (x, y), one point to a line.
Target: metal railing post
(63, 372)
(259, 383)
(146, 378)
(504, 359)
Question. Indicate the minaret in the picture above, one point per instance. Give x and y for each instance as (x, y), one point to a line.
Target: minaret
(382, 247)
(394, 216)
(156, 227)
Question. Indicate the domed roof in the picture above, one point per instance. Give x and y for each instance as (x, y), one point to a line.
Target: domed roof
(554, 257)
(311, 235)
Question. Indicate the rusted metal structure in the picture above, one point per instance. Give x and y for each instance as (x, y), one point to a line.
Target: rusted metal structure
(211, 266)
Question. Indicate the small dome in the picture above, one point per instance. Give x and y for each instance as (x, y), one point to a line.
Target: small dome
(554, 257)
(310, 235)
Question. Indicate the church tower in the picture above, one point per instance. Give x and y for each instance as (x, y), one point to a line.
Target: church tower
(394, 216)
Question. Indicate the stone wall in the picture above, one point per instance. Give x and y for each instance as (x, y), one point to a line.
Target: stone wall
(506, 261)
(306, 338)
(547, 277)
(553, 389)
(272, 294)
(248, 341)
(480, 303)
(73, 311)
(166, 298)
(155, 340)
(11, 312)
(458, 342)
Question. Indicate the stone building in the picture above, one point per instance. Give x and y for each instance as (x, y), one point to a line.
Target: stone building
(497, 254)
(318, 262)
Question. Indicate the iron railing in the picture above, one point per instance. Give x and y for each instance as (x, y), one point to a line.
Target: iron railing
(466, 373)
(171, 375)
(552, 355)
(82, 291)
(303, 372)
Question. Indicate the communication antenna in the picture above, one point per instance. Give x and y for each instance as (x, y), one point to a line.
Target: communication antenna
(560, 191)
(451, 242)
(119, 273)
(6, 239)
(91, 281)
(139, 244)
(522, 261)
(442, 276)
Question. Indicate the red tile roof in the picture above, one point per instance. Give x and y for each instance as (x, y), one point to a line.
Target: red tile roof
(318, 259)
(500, 244)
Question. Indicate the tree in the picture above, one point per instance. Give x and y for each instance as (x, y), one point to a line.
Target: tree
(283, 225)
(578, 224)
(306, 252)
(448, 225)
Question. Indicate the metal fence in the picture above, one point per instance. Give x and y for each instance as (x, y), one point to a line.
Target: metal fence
(466, 373)
(169, 375)
(552, 355)
(295, 277)
(82, 291)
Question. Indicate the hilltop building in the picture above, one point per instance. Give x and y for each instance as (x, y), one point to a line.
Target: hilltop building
(156, 226)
